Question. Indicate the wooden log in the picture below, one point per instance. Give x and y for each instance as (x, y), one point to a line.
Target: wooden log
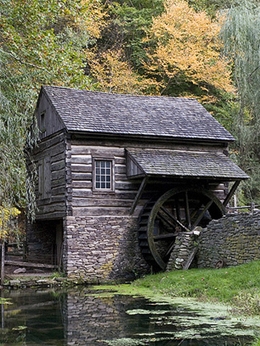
(190, 258)
(32, 265)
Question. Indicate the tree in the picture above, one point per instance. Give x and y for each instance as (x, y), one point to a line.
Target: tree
(242, 45)
(8, 226)
(127, 23)
(113, 73)
(41, 42)
(184, 53)
(210, 6)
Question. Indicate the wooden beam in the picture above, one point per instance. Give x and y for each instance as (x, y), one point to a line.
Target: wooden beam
(2, 263)
(231, 192)
(29, 264)
(190, 258)
(139, 194)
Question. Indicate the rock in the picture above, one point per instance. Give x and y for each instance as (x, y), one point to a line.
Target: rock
(19, 270)
(14, 282)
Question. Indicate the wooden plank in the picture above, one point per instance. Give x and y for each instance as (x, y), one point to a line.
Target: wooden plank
(29, 264)
(100, 211)
(58, 165)
(81, 159)
(231, 193)
(190, 258)
(101, 202)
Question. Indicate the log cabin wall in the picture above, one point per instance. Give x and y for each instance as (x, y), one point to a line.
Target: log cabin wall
(51, 187)
(51, 191)
(85, 200)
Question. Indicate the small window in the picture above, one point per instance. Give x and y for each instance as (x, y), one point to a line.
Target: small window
(42, 125)
(103, 174)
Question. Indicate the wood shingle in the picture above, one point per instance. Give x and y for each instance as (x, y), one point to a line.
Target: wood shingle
(188, 164)
(170, 117)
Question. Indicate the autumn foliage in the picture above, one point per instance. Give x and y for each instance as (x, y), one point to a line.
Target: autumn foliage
(8, 217)
(162, 47)
(186, 46)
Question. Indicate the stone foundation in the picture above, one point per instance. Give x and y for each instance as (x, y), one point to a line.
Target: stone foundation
(99, 249)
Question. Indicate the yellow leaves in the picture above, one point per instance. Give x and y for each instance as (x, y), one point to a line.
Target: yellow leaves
(114, 74)
(95, 17)
(187, 43)
(7, 215)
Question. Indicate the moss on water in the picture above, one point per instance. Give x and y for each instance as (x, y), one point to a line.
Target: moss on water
(232, 294)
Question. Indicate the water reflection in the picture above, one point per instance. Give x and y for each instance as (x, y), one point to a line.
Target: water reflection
(79, 317)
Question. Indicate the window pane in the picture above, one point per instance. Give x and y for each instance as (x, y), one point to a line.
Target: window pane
(103, 174)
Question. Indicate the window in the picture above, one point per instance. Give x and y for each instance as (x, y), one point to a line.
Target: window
(42, 125)
(103, 174)
(44, 175)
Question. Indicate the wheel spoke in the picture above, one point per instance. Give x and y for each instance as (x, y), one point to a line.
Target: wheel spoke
(201, 214)
(165, 236)
(160, 216)
(175, 220)
(169, 250)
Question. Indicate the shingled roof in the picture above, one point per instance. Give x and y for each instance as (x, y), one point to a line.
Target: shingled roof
(188, 164)
(119, 114)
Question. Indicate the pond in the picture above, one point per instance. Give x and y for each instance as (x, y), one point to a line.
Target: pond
(85, 317)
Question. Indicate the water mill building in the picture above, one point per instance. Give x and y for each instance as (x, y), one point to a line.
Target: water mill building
(119, 176)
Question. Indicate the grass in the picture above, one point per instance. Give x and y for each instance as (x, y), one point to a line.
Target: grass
(238, 286)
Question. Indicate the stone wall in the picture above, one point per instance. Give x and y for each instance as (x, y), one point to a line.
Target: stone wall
(229, 241)
(99, 249)
(184, 251)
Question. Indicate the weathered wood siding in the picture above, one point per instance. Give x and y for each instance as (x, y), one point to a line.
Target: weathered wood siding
(87, 201)
(51, 188)
(48, 120)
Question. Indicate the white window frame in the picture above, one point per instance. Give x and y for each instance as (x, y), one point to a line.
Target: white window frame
(103, 174)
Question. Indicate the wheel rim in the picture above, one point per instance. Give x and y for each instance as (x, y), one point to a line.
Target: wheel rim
(178, 210)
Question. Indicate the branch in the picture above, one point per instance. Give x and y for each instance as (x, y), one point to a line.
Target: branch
(250, 76)
(24, 62)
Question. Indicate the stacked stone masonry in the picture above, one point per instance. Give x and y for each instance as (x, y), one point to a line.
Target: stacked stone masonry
(229, 241)
(102, 248)
(185, 244)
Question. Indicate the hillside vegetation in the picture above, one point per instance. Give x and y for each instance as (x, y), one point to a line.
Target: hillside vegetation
(203, 49)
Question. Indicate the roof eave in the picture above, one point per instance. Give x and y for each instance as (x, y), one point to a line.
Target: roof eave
(108, 135)
(190, 177)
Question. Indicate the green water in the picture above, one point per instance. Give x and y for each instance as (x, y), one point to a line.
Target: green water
(81, 317)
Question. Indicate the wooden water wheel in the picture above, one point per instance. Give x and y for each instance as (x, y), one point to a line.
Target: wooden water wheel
(177, 210)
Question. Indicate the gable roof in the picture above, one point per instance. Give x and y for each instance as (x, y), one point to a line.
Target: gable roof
(120, 114)
(184, 164)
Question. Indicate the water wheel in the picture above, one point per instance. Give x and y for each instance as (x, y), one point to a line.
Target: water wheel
(177, 210)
